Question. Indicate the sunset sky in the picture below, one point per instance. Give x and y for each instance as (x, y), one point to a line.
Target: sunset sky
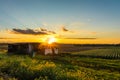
(70, 21)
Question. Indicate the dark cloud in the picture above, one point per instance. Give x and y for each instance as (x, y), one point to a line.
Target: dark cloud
(42, 29)
(52, 32)
(32, 31)
(64, 29)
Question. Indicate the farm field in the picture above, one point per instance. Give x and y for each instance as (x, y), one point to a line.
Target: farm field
(96, 64)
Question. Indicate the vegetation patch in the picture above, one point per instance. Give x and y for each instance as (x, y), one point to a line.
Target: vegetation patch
(70, 66)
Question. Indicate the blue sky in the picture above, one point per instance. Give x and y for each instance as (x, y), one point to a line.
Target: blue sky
(101, 17)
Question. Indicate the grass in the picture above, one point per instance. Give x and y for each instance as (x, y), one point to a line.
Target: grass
(70, 66)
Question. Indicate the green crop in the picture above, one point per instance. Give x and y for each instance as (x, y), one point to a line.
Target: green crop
(99, 64)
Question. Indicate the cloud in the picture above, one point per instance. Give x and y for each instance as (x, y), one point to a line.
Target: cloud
(27, 31)
(7, 38)
(80, 38)
(64, 29)
(42, 31)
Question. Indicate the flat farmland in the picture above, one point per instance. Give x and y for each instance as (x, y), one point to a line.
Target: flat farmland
(90, 64)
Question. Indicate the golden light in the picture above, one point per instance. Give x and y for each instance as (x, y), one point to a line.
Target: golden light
(51, 40)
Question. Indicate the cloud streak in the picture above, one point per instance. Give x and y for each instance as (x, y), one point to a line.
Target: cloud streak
(9, 38)
(42, 31)
(80, 38)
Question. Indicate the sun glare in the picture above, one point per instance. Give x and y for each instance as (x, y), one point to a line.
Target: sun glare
(51, 40)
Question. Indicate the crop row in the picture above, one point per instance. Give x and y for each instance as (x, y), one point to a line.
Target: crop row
(111, 53)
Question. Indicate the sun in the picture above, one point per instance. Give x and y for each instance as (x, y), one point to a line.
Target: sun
(51, 40)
